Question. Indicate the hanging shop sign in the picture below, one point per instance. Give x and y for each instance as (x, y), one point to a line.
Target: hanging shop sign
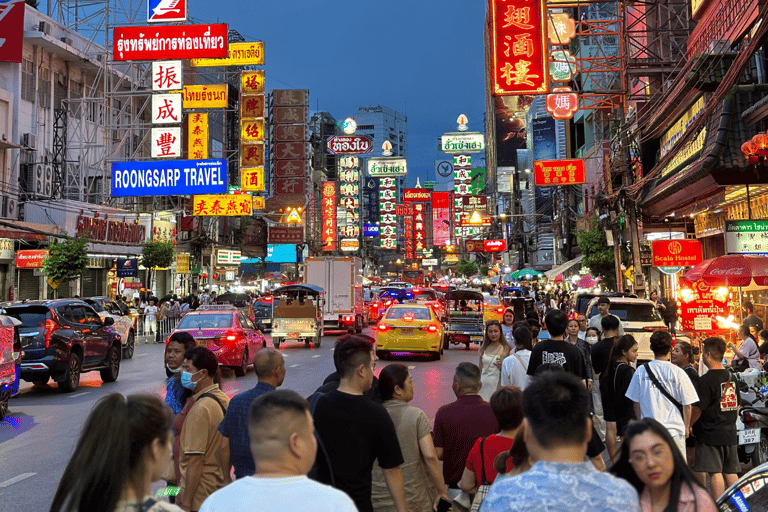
(387, 166)
(676, 253)
(291, 150)
(291, 168)
(252, 155)
(401, 210)
(518, 47)
(562, 66)
(165, 42)
(239, 54)
(258, 203)
(197, 135)
(419, 229)
(290, 97)
(205, 96)
(290, 186)
(387, 216)
(252, 179)
(441, 218)
(328, 201)
(31, 258)
(228, 257)
(466, 142)
(252, 82)
(12, 28)
(290, 115)
(290, 133)
(431, 262)
(700, 307)
(451, 258)
(349, 244)
(252, 130)
(169, 178)
(494, 245)
(286, 235)
(417, 195)
(166, 142)
(166, 75)
(547, 173)
(562, 103)
(561, 28)
(349, 145)
(104, 229)
(252, 106)
(6, 250)
(127, 267)
(166, 108)
(370, 229)
(163, 11)
(182, 263)
(222, 205)
(746, 236)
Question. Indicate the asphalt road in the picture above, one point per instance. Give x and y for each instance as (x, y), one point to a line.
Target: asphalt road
(39, 435)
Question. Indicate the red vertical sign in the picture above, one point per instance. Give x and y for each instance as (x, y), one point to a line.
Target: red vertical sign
(409, 255)
(419, 229)
(11, 30)
(518, 47)
(329, 215)
(441, 218)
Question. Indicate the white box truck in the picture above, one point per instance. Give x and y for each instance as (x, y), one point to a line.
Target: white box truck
(342, 279)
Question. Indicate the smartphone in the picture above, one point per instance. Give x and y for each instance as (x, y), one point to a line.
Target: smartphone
(443, 505)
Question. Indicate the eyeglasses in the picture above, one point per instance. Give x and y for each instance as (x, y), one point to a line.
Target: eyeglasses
(658, 453)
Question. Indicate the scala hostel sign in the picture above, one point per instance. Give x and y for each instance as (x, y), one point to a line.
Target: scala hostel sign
(101, 229)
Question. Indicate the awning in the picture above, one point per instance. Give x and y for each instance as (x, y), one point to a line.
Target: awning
(4, 144)
(551, 274)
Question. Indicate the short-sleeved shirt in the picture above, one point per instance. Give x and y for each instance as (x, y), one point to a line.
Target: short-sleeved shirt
(600, 353)
(514, 369)
(200, 436)
(596, 322)
(355, 432)
(750, 351)
(493, 445)
(616, 406)
(653, 404)
(457, 426)
(719, 402)
(559, 352)
(175, 394)
(234, 427)
(411, 424)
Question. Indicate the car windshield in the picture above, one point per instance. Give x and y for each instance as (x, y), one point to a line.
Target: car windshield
(216, 321)
(415, 313)
(95, 305)
(632, 312)
(492, 301)
(425, 295)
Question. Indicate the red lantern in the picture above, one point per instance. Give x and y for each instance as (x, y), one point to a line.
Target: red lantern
(748, 148)
(204, 276)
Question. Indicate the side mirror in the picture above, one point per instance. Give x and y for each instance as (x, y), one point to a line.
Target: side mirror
(109, 321)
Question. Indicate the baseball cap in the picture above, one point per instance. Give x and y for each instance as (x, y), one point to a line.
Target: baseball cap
(604, 300)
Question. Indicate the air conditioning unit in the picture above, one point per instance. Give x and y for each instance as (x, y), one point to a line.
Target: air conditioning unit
(67, 41)
(44, 27)
(42, 180)
(29, 140)
(10, 208)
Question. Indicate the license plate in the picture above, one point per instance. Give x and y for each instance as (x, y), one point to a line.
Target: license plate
(293, 335)
(476, 338)
(406, 330)
(750, 436)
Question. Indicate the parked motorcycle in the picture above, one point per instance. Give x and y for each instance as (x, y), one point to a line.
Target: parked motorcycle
(750, 492)
(752, 423)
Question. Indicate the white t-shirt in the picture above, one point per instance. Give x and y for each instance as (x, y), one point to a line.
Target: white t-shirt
(513, 373)
(653, 403)
(278, 495)
(596, 320)
(150, 312)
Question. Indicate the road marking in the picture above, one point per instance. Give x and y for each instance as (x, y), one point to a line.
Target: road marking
(78, 394)
(294, 366)
(316, 355)
(15, 479)
(141, 355)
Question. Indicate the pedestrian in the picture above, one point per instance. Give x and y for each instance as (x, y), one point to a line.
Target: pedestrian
(204, 453)
(557, 429)
(535, 328)
(355, 431)
(507, 406)
(176, 395)
(514, 368)
(652, 462)
(585, 348)
(716, 436)
(663, 391)
(747, 354)
(556, 349)
(603, 310)
(683, 356)
(618, 410)
(517, 458)
(658, 303)
(422, 476)
(583, 324)
(150, 313)
(602, 349)
(163, 319)
(333, 380)
(124, 446)
(269, 365)
(749, 316)
(508, 321)
(283, 444)
(493, 351)
(459, 424)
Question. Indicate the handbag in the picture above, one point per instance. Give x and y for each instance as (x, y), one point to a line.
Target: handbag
(662, 389)
(482, 491)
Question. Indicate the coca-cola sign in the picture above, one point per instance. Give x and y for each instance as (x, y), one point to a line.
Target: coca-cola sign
(349, 145)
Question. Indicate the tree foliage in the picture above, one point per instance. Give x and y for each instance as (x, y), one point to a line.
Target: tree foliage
(466, 268)
(598, 256)
(157, 254)
(66, 260)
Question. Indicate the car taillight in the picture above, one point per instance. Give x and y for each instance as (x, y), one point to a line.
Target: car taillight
(499, 310)
(432, 328)
(388, 303)
(267, 299)
(382, 327)
(48, 329)
(229, 337)
(348, 318)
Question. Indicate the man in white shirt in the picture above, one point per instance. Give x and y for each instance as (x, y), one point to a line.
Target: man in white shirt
(651, 402)
(603, 310)
(284, 448)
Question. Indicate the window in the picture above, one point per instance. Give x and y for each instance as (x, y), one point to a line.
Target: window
(27, 80)
(415, 313)
(44, 88)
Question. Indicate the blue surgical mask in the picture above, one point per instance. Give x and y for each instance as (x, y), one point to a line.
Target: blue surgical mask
(186, 380)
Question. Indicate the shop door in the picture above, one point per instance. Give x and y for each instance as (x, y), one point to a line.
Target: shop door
(29, 285)
(93, 282)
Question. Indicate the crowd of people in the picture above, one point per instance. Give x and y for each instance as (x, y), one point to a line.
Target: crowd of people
(529, 430)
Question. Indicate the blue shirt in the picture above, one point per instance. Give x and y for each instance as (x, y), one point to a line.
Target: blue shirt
(235, 427)
(175, 394)
(561, 487)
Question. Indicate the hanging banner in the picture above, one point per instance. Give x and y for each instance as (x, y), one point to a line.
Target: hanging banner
(166, 142)
(169, 178)
(518, 47)
(328, 200)
(197, 136)
(166, 75)
(12, 30)
(222, 205)
(239, 54)
(165, 42)
(205, 96)
(252, 179)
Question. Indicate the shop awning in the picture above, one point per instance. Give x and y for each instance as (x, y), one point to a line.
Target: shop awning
(18, 230)
(560, 269)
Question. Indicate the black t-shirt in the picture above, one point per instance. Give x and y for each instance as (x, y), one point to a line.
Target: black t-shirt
(600, 353)
(718, 401)
(560, 352)
(692, 374)
(355, 432)
(613, 388)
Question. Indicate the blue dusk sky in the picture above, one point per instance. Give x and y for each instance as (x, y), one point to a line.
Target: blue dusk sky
(420, 57)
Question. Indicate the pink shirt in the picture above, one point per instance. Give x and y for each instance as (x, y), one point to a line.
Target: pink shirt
(697, 501)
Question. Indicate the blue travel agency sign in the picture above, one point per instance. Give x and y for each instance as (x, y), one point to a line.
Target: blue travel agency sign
(169, 178)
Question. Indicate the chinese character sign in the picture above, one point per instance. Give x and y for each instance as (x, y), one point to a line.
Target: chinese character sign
(388, 217)
(518, 49)
(252, 179)
(252, 130)
(251, 155)
(408, 225)
(197, 136)
(348, 216)
(328, 198)
(252, 82)
(252, 106)
(166, 108)
(166, 142)
(547, 173)
(419, 229)
(166, 75)
(222, 205)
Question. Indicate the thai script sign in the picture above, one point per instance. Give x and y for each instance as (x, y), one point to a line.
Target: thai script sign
(205, 96)
(169, 42)
(31, 258)
(166, 75)
(676, 253)
(102, 229)
(222, 204)
(702, 307)
(169, 178)
(197, 136)
(468, 142)
(485, 245)
(349, 145)
(411, 195)
(239, 54)
(746, 236)
(547, 173)
(393, 166)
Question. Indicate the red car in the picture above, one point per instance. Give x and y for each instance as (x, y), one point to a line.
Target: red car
(227, 332)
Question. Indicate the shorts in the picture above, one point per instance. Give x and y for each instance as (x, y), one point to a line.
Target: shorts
(717, 459)
(680, 443)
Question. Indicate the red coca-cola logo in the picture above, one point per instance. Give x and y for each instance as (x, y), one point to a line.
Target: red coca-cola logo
(349, 144)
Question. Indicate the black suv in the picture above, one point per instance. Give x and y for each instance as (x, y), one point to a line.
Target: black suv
(61, 339)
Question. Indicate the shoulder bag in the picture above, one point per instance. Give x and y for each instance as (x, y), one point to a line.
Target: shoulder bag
(661, 388)
(482, 491)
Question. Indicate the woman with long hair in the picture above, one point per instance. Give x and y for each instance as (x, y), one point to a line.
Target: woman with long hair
(494, 349)
(514, 368)
(508, 323)
(650, 460)
(572, 336)
(747, 355)
(124, 446)
(421, 467)
(618, 410)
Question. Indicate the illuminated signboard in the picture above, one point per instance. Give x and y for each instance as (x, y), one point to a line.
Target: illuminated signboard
(252, 82)
(169, 178)
(412, 195)
(205, 96)
(240, 54)
(197, 136)
(252, 179)
(380, 167)
(169, 42)
(467, 142)
(252, 130)
(349, 145)
(518, 48)
(328, 201)
(676, 253)
(387, 216)
(222, 205)
(547, 173)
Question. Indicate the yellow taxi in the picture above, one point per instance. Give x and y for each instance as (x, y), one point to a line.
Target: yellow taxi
(407, 328)
(492, 309)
